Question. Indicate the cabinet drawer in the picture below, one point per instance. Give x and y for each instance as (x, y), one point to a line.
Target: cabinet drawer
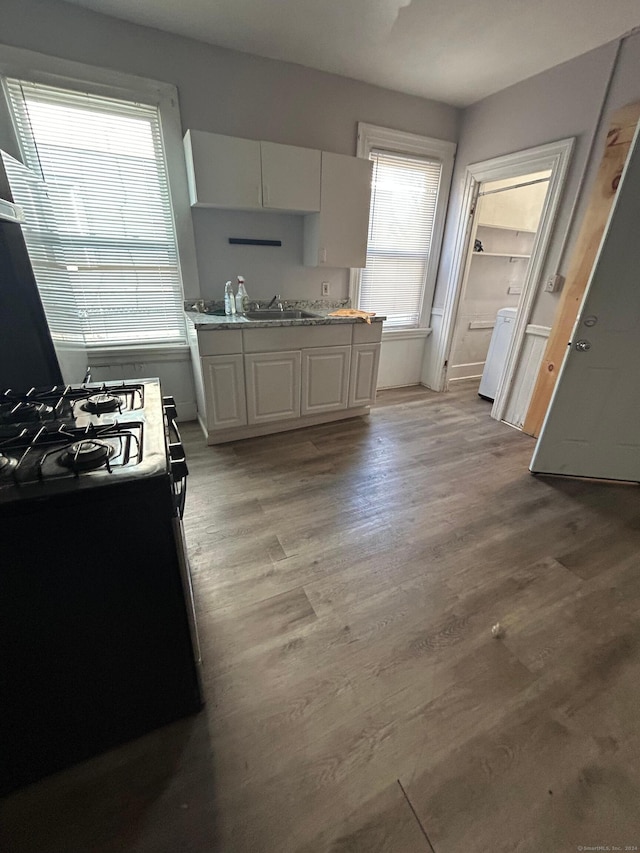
(295, 337)
(363, 333)
(219, 341)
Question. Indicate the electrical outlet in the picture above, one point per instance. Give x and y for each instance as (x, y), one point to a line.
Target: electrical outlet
(326, 286)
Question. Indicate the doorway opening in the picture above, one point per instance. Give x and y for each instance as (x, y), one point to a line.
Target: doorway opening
(551, 159)
(506, 219)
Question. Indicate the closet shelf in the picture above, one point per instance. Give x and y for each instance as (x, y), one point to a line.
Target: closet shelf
(499, 255)
(505, 228)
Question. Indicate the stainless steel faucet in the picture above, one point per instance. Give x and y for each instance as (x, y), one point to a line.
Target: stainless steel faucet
(276, 298)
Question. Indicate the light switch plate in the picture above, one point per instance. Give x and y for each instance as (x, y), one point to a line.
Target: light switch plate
(326, 286)
(554, 283)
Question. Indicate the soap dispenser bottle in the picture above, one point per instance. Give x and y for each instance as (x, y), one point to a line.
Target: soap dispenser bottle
(242, 298)
(229, 300)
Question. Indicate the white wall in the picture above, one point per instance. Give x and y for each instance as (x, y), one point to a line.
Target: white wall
(172, 369)
(401, 361)
(519, 207)
(267, 269)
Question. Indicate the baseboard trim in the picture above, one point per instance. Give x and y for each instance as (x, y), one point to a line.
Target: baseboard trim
(223, 436)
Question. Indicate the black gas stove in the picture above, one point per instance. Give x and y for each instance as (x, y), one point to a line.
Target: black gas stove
(77, 437)
(98, 642)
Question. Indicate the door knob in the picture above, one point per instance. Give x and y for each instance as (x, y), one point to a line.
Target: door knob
(582, 346)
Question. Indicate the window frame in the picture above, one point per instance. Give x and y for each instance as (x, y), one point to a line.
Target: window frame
(371, 136)
(47, 70)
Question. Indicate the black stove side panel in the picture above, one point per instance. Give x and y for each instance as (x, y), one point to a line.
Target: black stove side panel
(27, 354)
(95, 646)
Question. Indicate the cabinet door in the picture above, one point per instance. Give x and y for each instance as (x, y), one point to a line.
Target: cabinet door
(290, 177)
(325, 379)
(337, 236)
(224, 391)
(223, 171)
(365, 359)
(273, 386)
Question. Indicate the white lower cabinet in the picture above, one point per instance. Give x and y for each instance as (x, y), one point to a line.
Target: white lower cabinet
(325, 379)
(256, 381)
(365, 359)
(223, 377)
(273, 386)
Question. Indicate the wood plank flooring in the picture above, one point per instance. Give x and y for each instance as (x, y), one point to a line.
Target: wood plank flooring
(347, 577)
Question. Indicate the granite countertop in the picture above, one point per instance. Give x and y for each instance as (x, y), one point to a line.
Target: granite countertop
(212, 322)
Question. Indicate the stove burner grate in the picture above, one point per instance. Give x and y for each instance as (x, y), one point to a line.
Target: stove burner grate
(24, 411)
(86, 455)
(99, 404)
(7, 465)
(62, 403)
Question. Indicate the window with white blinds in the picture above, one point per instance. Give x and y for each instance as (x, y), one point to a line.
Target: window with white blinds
(99, 224)
(404, 202)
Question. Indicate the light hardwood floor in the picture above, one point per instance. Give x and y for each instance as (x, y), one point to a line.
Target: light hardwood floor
(347, 577)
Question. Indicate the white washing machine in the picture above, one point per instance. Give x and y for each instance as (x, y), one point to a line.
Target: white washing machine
(497, 355)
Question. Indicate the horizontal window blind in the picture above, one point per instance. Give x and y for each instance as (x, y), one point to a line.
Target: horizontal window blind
(98, 219)
(403, 208)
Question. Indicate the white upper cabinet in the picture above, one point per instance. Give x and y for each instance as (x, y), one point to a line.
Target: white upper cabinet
(290, 177)
(223, 171)
(333, 190)
(337, 236)
(244, 174)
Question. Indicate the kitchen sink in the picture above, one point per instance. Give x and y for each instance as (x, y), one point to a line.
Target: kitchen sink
(276, 314)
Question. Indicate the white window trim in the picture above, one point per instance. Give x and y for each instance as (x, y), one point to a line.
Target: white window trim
(49, 70)
(371, 136)
(407, 334)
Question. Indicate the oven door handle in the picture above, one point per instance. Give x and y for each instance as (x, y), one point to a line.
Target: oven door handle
(171, 413)
(179, 474)
(173, 428)
(177, 458)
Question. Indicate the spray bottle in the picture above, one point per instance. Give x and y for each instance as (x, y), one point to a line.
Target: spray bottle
(229, 300)
(242, 299)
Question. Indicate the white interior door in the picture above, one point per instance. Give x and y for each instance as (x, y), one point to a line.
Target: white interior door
(592, 428)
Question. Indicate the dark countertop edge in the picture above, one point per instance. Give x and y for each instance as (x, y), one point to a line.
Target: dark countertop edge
(214, 323)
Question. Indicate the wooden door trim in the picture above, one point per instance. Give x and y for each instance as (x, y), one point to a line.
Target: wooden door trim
(619, 138)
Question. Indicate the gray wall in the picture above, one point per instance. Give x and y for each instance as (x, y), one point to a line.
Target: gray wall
(564, 101)
(238, 94)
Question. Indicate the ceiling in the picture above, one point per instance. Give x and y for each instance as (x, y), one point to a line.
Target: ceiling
(456, 51)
